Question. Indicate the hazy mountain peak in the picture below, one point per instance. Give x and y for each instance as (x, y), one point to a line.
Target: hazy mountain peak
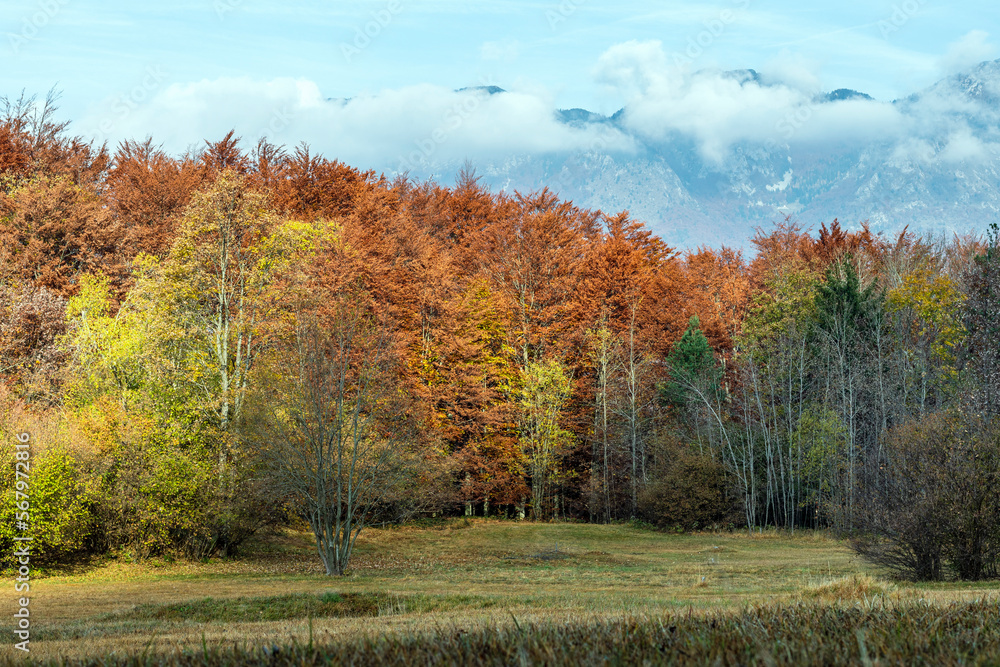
(492, 90)
(846, 94)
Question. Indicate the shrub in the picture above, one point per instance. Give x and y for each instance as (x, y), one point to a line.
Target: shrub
(931, 508)
(61, 500)
(688, 491)
(62, 489)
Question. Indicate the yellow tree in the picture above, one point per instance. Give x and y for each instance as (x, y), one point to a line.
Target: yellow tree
(215, 282)
(545, 389)
(927, 308)
(110, 349)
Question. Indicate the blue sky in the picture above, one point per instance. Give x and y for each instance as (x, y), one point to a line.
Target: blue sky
(178, 70)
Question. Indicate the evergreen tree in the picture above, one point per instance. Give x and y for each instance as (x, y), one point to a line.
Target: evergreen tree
(844, 309)
(691, 364)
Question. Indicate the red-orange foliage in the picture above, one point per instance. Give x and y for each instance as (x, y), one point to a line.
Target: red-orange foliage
(474, 284)
(52, 230)
(146, 192)
(721, 288)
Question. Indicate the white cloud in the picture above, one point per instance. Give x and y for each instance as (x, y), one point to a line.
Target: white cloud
(962, 146)
(791, 70)
(973, 48)
(634, 67)
(913, 150)
(422, 127)
(719, 109)
(407, 128)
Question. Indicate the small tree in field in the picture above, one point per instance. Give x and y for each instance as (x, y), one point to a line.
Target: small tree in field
(339, 437)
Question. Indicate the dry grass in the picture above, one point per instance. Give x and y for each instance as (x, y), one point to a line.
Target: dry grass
(789, 634)
(856, 587)
(467, 574)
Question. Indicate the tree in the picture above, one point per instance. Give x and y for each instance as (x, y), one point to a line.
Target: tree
(775, 372)
(545, 388)
(692, 365)
(32, 322)
(603, 350)
(215, 283)
(636, 399)
(982, 321)
(147, 193)
(110, 350)
(927, 312)
(850, 320)
(339, 440)
(52, 231)
(533, 258)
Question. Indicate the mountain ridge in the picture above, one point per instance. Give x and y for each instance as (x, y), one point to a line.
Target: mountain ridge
(938, 172)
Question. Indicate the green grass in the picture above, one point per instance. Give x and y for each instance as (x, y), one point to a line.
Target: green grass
(468, 576)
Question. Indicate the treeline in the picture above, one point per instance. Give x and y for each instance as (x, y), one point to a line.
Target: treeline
(169, 326)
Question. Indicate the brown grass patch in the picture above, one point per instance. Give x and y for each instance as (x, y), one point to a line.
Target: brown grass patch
(853, 588)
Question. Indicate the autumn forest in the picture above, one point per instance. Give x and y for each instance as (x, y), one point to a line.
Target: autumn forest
(211, 345)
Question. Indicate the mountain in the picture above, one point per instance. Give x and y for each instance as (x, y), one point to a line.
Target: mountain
(930, 162)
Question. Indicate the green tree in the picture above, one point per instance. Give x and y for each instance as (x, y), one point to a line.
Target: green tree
(692, 367)
(110, 350)
(216, 280)
(850, 332)
(776, 368)
(844, 309)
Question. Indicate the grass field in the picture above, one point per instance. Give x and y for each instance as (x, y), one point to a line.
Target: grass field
(477, 579)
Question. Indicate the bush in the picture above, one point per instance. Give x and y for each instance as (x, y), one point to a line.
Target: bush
(62, 489)
(931, 509)
(164, 496)
(61, 499)
(688, 491)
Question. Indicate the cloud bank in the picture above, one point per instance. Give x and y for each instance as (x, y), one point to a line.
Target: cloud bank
(405, 129)
(422, 127)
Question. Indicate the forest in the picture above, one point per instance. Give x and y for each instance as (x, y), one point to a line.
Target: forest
(203, 347)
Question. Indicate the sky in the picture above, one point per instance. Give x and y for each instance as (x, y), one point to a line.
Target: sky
(373, 81)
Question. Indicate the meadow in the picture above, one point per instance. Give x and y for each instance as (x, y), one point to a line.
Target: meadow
(493, 592)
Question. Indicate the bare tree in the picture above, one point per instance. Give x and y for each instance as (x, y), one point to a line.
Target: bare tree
(603, 352)
(340, 439)
(637, 399)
